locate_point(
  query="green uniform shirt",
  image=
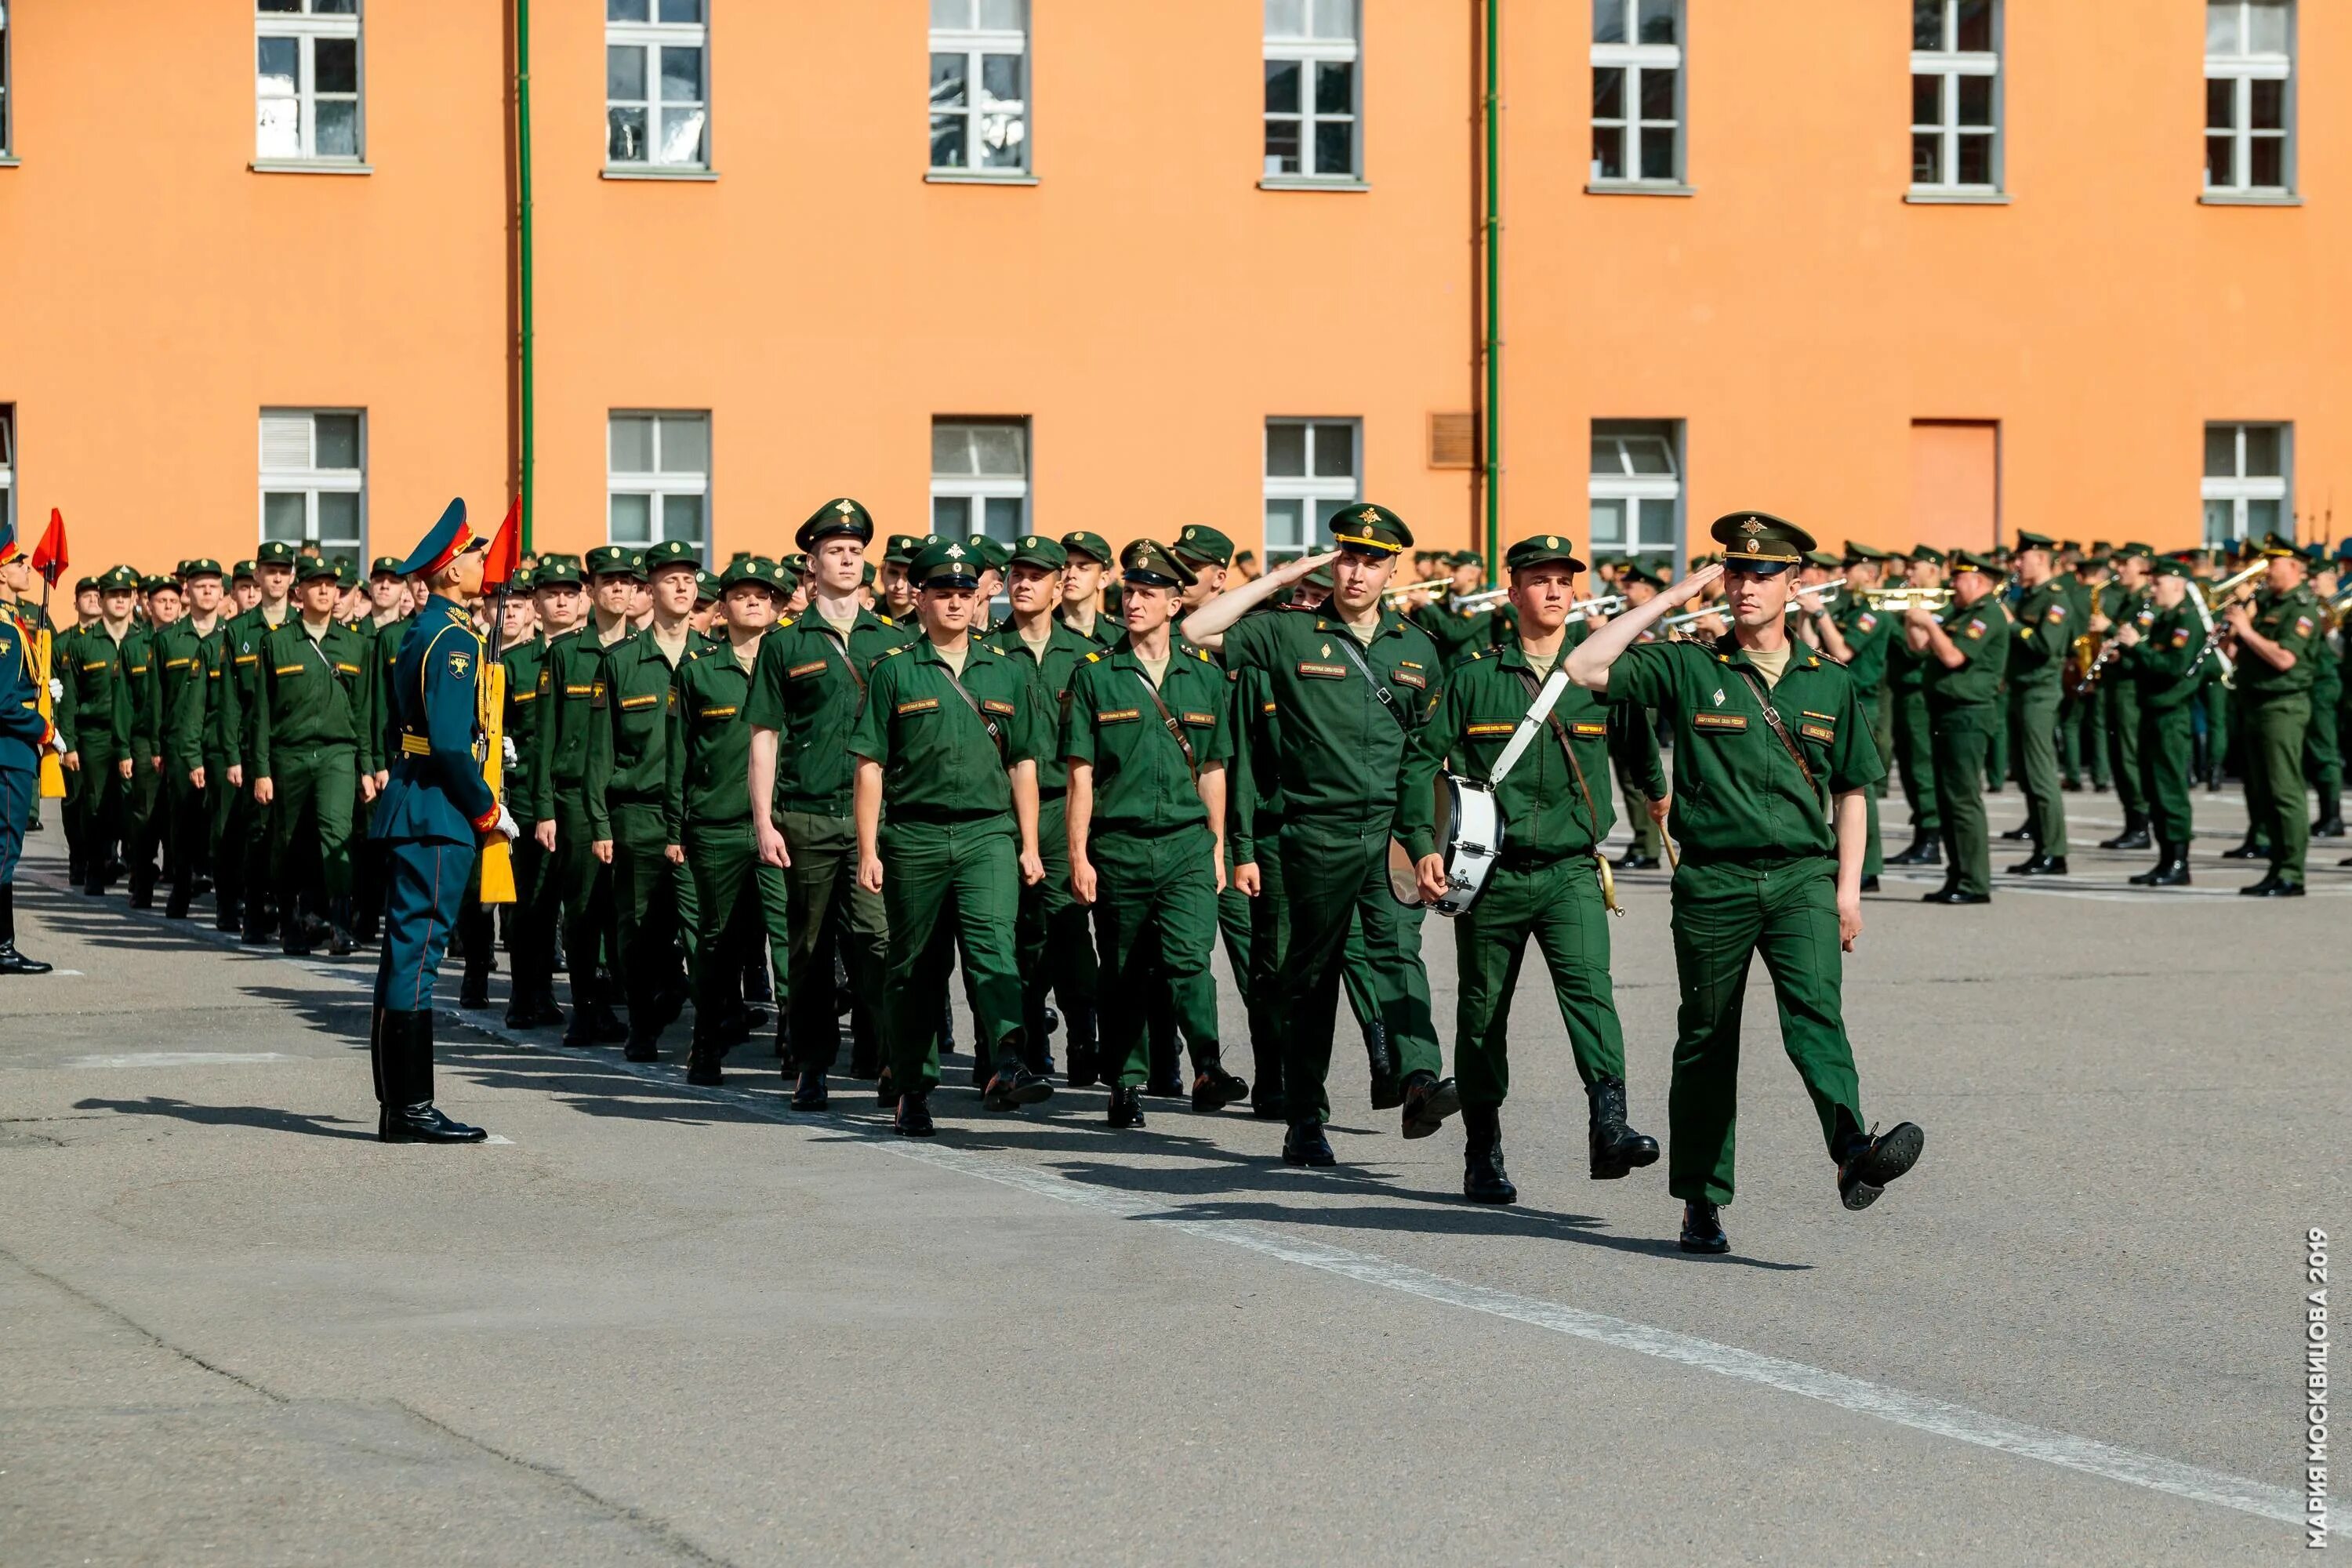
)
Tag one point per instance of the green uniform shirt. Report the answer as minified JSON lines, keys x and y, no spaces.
{"x":809,"y":686}
{"x":628,"y":732}
{"x":1738,"y":793}
{"x":709,"y":753}
{"x":938,"y":764}
{"x":1981,"y":634}
{"x":140,"y":667}
{"x":521,"y":722}
{"x":1065,"y":650}
{"x":1340,"y":747}
{"x":380,"y":727}
{"x":187,"y":660}
{"x":313,"y":693}
{"x":2165,"y":663}
{"x":571,"y":679}
{"x":2045,"y":628}
{"x":94,"y":715}
{"x":1142,"y":783}
{"x":1107,"y":632}
{"x":241,"y":687}
{"x":2296,"y":623}
{"x":1869,"y":638}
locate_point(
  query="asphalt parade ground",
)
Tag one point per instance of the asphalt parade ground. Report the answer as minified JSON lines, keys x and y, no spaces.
{"x":652,"y":1323}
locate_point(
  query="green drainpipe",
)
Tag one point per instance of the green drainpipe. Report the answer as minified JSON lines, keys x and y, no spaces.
{"x":522,"y":184}
{"x":1493,"y":432}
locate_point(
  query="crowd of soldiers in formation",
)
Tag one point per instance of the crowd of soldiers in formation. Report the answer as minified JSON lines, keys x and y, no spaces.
{"x":224,"y":732}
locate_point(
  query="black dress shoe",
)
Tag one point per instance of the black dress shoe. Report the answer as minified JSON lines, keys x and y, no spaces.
{"x":1304,"y":1144}
{"x":1870,"y":884}
{"x":886,"y":1093}
{"x":2252,"y":849}
{"x":1484,"y":1180}
{"x":1877,"y":1160}
{"x":1922,"y":852}
{"x":2129,"y":838}
{"x":1215,"y":1089}
{"x":1703,"y":1229}
{"x":421,"y":1123}
{"x":2329,"y":826}
{"x":15,"y":962}
{"x":2040,"y":865}
{"x":1428,"y":1101}
{"x":2019,"y":833}
{"x":1948,"y":895}
{"x":1081,"y":1063}
{"x":2169,"y":871}
{"x":1634,"y":862}
{"x":914,"y":1117}
{"x":808,"y":1091}
{"x":1015,"y":1086}
{"x":1615,"y":1147}
{"x":1126,"y":1108}
{"x":2071,"y":786}
{"x":2272,"y":886}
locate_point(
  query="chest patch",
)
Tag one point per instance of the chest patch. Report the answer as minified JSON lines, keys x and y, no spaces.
{"x":1313,"y":671}
{"x":1203,"y":719}
{"x":801,"y":671}
{"x":1490,"y":727}
{"x":1588,"y":728}
{"x":1817,"y":732}
{"x":991,"y":705}
{"x":718,"y":712}
{"x":1409,"y":678}
{"x":630,"y":704}
{"x":1720,"y":721}
{"x":918,"y":705}
{"x":1117,"y":715}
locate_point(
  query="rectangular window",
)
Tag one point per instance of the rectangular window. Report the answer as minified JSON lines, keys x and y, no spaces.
{"x":2245,"y":486}
{"x":658,"y":479}
{"x":1954,"y":96}
{"x":1637,"y":92}
{"x":1636,"y":491}
{"x":657,"y":84}
{"x":314,"y":479}
{"x":307,"y":79}
{"x":2249,"y":96}
{"x":5,"y":144}
{"x":1314,"y":90}
{"x":8,"y":473}
{"x":979,"y":478}
{"x":979,"y":86}
{"x":1311,"y":470}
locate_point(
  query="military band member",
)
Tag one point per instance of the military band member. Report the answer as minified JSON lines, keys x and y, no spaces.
{"x":1771,"y":754}
{"x":2125,"y":600}
{"x":1912,"y":728}
{"x":1146,"y":734}
{"x":1547,"y":884}
{"x":1089,"y":558}
{"x":2164,"y":662}
{"x":1638,"y":584}
{"x":2044,"y":625}
{"x":2323,"y":755}
{"x":560,"y":599}
{"x":1962,"y":655}
{"x":2276,"y":636}
{"x":946,"y":802}
{"x":2084,"y":739}
{"x":1351,"y":684}
{"x":1851,"y":630}
{"x":305,"y":758}
{"x":24,"y":736}
{"x":245,"y":833}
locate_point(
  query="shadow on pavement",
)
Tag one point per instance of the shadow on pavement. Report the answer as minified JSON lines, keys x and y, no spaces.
{"x":269,"y":1118}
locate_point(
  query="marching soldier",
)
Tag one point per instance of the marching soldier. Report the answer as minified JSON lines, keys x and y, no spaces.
{"x":897,"y":603}
{"x":560,"y":601}
{"x":1351,"y":684}
{"x":305,"y":758}
{"x":1145,"y":732}
{"x":1638,"y":584}
{"x":433,"y":815}
{"x":1548,"y":884}
{"x":2276,"y":636}
{"x":24,"y":736}
{"x":143,"y":824}
{"x":1088,"y":558}
{"x":2165,"y":663}
{"x":93,"y":714}
{"x":247,"y":834}
{"x":187,"y":655}
{"x":947,"y":745}
{"x":2045,"y":624}
{"x":1770,"y":820}
{"x":1962,"y":657}
{"x":1913,"y":731}
{"x":2125,"y":602}
{"x":1854,"y":634}
{"x":65,"y":662}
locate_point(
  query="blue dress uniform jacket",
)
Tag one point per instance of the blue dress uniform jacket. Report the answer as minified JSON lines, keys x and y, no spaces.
{"x":435,"y":791}
{"x":23,"y":731}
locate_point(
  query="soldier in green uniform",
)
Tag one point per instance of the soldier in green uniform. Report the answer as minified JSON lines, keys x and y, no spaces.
{"x":2044,"y":630}
{"x":1087,"y":559}
{"x":559,"y":602}
{"x":305,"y":758}
{"x":187,"y":656}
{"x":143,"y":821}
{"x":1547,"y":884}
{"x":94,"y":715}
{"x":65,"y":645}
{"x":947,"y":746}
{"x":1771,"y":754}
{"x":572,"y":707}
{"x":708,"y":813}
{"x":1962,"y":655}
{"x":246,"y":833}
{"x":2323,"y":755}
{"x":2124,"y":602}
{"x":1914,"y":732}
{"x":2165,"y":664}
{"x":2082,"y":750}
{"x":1638,"y":584}
{"x":1353,"y":684}
{"x":805,"y":699}
{"x":2277,"y":636}
{"x":1146,"y":734}
{"x":624,"y":787}
{"x":1850,"y":630}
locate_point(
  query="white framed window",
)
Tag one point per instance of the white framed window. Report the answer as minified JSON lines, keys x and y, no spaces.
{"x":657,"y":84}
{"x":1311,"y":476}
{"x":658,"y":479}
{"x":8,"y":472}
{"x":1314,"y":89}
{"x":1637,"y":92}
{"x":306,"y":83}
{"x":2249,"y":96}
{"x":979,"y":478}
{"x":6,"y":144}
{"x":979,"y":86}
{"x":314,"y":479}
{"x":1636,"y":491}
{"x":1954,"y":96}
{"x":2245,"y":486}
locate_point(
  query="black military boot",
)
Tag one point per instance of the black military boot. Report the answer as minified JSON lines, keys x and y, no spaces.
{"x":2252,"y":849}
{"x":1634,"y":860}
{"x":2331,"y":818}
{"x":2017,"y":834}
{"x":2172,"y":868}
{"x":1125,"y":1108}
{"x":1925,"y":849}
{"x":1165,"y":1077}
{"x":11,"y":961}
{"x":1616,"y":1148}
{"x":1012,"y":1085}
{"x":1387,"y":1093}
{"x":703,"y":1055}
{"x":2040,"y":865}
{"x":1267,"y":1102}
{"x":914,"y":1117}
{"x":1213,"y":1087}
{"x":2272,"y":885}
{"x":1872,"y":1162}
{"x":1304,"y":1144}
{"x":1083,"y":1059}
{"x":228,"y":915}
{"x":808,"y":1091}
{"x":1484,"y":1180}
{"x":1703,"y":1229}
{"x":406,"y":1071}
{"x":2135,"y":834}
{"x":1428,"y":1101}
{"x":594,"y":1023}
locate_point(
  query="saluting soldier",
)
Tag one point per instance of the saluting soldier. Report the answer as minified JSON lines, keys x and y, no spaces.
{"x":1963,"y":654}
{"x":24,"y":735}
{"x":1771,"y":754}
{"x":947,"y":747}
{"x":1547,"y":885}
{"x":2044,"y":625}
{"x":305,"y":758}
{"x":2122,"y":602}
{"x":806,"y":691}
{"x":2165,"y":663}
{"x":1351,"y":684}
{"x":1146,"y":734}
{"x":2276,"y":636}
{"x":560,"y":601}
{"x":186,"y":655}
{"x":93,"y":713}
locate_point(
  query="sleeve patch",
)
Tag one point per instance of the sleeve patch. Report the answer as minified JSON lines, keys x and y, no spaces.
{"x":1976,"y":629}
{"x":1868,"y":622}
{"x":2302,"y":626}
{"x":2181,"y":637}
{"x":461,"y":664}
{"x":2057,"y":614}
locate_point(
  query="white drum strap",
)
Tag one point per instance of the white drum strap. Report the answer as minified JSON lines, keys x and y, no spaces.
{"x":1547,"y":698}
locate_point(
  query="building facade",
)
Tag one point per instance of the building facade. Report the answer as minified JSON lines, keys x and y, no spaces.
{"x":1943,"y":270}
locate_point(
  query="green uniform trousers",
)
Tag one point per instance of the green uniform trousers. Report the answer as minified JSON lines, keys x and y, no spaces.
{"x":2122,"y":701}
{"x":654,"y":909}
{"x":2273,"y":759}
{"x":1558,"y":906}
{"x":2082,"y":743}
{"x":1331,"y":873}
{"x":1262,"y":983}
{"x":532,"y":919}
{"x":949,"y":889}
{"x":1997,"y":750}
{"x":311,"y":793}
{"x":2322,"y":756}
{"x":830,"y":910}
{"x":187,"y":829}
{"x":1962,"y":738}
{"x":1051,"y":942}
{"x":104,"y":801}
{"x":1724,"y":914}
{"x":143,"y":829}
{"x":226,"y":805}
{"x":2033,"y":740}
{"x":1155,"y":917}
{"x":1914,"y":749}
{"x":583,"y":885}
{"x":2167,"y":742}
{"x":724,"y":864}
{"x":2218,"y":722}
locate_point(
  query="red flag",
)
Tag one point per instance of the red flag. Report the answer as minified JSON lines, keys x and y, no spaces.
{"x":49,"y":555}
{"x":505,"y":554}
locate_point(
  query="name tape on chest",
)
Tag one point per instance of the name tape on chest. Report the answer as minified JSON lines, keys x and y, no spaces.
{"x":1409,"y":678}
{"x":1117,"y":715}
{"x":630,"y":704}
{"x":916,"y":705}
{"x":802,"y":671}
{"x":997,"y":706}
{"x":718,"y":712}
{"x":1732,"y":722}
{"x":1305,"y":666}
{"x":1588,"y":728}
{"x":1816,"y":732}
{"x":1487,"y":727}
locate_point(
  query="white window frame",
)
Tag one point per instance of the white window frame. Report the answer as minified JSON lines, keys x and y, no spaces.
{"x":2241,"y":487}
{"x":1319,"y":495}
{"x":1309,"y":52}
{"x":7,"y":89}
{"x":649,"y":38}
{"x":1949,"y":63}
{"x":1633,"y":59}
{"x":1633,"y":489}
{"x":8,"y":472}
{"x":312,"y":481}
{"x":306,"y":28}
{"x":2242,"y":69}
{"x":981,"y":489}
{"x":973,"y":43}
{"x":657,"y":483}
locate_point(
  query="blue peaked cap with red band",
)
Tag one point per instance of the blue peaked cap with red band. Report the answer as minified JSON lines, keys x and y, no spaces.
{"x":9,"y":549}
{"x":450,"y":539}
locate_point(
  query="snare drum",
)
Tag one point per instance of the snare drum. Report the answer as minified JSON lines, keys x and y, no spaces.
{"x":1470,"y":833}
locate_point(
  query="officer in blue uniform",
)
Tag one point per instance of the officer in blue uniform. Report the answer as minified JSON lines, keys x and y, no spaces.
{"x":435,"y":813}
{"x":23,"y":734}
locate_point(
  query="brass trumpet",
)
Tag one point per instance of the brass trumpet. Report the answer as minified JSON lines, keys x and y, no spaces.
{"x":1903,"y":596}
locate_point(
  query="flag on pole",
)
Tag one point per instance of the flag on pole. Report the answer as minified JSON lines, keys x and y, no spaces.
{"x":7,"y":538}
{"x":505,"y":554}
{"x":49,"y":557}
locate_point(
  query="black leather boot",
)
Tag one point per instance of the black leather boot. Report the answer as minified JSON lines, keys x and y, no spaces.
{"x":1484,"y":1180}
{"x":1012,"y":1085}
{"x":809,"y":1092}
{"x":914,"y":1117}
{"x":1125,"y":1108}
{"x":703,"y":1056}
{"x":2250,"y":849}
{"x":2272,"y":885}
{"x":1083,"y":1059}
{"x":1428,"y":1101}
{"x":408,"y":1116}
{"x":1873,"y":1161}
{"x":2040,"y":865}
{"x":11,"y":961}
{"x":1616,"y":1148}
{"x":1703,"y":1229}
{"x":1387,"y":1093}
{"x":1304,"y":1144}
{"x":2331,"y":818}
{"x":2017,"y":834}
{"x":594,"y":1023}
{"x":2170,"y":870}
{"x":1213,"y":1087}
{"x":2133,"y":835}
{"x":1925,"y":849}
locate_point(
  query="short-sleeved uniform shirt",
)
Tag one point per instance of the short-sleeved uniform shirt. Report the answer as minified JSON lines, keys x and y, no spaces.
{"x":939,"y":762}
{"x":2294,"y":621}
{"x":1868,"y":634}
{"x":1143,"y":784}
{"x":1981,"y":634}
{"x":2045,"y":629}
{"x":709,"y":750}
{"x":809,"y":686}
{"x":2165,"y":662}
{"x":1063,"y":651}
{"x":1738,"y":793}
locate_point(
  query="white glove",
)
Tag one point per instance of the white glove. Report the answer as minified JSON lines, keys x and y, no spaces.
{"x":58,"y":744}
{"x":508,"y":824}
{"x":56,"y":688}
{"x":514,"y":758}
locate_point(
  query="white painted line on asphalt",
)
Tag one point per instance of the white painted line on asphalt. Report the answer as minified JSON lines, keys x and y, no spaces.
{"x":495,"y":1137}
{"x":178,"y":1059}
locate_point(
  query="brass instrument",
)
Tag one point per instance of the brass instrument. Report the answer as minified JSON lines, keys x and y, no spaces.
{"x":2205,"y":599}
{"x":1903,"y":596}
{"x":1722,"y":608}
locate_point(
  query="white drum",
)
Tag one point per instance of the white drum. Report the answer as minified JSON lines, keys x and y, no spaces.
{"x":1470,"y":837}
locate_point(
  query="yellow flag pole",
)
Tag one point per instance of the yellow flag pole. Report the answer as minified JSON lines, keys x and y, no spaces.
{"x":53,"y":772}
{"x":498,"y":855}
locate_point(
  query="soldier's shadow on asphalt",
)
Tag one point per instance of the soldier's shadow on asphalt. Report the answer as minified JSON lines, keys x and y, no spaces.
{"x":267,"y":1118}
